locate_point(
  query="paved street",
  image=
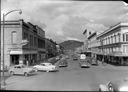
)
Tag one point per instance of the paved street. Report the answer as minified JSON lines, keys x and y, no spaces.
{"x":71,"y":78}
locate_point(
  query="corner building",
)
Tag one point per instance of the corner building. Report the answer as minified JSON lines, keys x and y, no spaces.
{"x":22,"y":41}
{"x":113,"y":44}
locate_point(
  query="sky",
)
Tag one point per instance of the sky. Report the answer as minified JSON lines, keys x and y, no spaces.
{"x":66,"y":19}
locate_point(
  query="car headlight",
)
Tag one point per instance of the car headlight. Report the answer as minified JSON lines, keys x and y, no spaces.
{"x":123,"y":89}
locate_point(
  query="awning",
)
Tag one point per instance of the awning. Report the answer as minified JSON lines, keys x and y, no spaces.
{"x":16,"y":52}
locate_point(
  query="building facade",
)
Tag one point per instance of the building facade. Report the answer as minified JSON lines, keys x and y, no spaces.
{"x":22,"y":42}
{"x":50,"y":48}
{"x":92,"y":44}
{"x":113,"y":43}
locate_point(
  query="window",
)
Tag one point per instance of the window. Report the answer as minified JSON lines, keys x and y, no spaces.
{"x":127,"y":37}
{"x":119,"y":37}
{"x":14,"y":37}
{"x":110,"y":39}
{"x":123,"y":37}
{"x":114,"y":38}
{"x":125,"y":48}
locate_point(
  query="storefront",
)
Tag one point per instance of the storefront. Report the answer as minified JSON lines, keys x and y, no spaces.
{"x":17,"y":56}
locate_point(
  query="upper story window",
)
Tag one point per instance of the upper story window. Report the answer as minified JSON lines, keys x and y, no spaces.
{"x":14,"y":37}
{"x":125,"y":37}
{"x":114,"y":38}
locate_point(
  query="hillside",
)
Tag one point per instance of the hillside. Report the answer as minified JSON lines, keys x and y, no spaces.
{"x":71,"y":44}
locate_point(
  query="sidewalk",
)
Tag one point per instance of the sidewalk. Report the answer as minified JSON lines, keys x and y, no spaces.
{"x":105,"y":65}
{"x":6,"y":76}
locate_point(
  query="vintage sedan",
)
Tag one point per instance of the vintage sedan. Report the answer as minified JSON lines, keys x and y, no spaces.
{"x":21,"y":70}
{"x":63,"y":63}
{"x":45,"y":67}
{"x":84,"y":64}
{"x":116,"y":85}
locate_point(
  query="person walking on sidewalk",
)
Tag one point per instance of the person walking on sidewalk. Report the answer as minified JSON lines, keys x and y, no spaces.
{"x":27,"y":63}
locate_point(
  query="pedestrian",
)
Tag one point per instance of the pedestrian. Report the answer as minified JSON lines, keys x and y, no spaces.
{"x":21,"y":62}
{"x":27,"y":63}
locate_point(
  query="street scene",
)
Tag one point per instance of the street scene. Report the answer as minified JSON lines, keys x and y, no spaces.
{"x":70,"y":78}
{"x":64,"y":45}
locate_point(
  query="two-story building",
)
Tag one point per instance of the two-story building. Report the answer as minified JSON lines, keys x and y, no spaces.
{"x":113,"y":43}
{"x":50,"y":48}
{"x":22,"y":41}
{"x":92,"y":44}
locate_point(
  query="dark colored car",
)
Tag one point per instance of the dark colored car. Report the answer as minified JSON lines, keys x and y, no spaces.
{"x":63,"y":63}
{"x":75,"y":58}
{"x":84,"y":64}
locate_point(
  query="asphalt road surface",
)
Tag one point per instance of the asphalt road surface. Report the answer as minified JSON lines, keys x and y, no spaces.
{"x":71,"y":78}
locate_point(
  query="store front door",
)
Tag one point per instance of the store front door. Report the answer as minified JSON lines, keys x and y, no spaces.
{"x":14,"y":59}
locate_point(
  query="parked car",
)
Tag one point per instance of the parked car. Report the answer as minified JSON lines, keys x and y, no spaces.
{"x":63,"y":63}
{"x":75,"y":57}
{"x":84,"y":64}
{"x":116,"y":85}
{"x":22,"y":70}
{"x":45,"y":67}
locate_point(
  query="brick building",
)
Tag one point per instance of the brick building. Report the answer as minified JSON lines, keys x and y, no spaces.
{"x":22,"y":41}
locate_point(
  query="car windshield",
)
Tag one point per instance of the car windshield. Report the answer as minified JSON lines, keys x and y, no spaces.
{"x":46,"y":64}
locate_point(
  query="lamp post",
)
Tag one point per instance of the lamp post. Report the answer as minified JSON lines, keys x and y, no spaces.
{"x":4,"y":15}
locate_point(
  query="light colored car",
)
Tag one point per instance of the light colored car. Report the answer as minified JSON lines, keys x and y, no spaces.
{"x":22,"y":70}
{"x":45,"y":67}
{"x":116,"y":85}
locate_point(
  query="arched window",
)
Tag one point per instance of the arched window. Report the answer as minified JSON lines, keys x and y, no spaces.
{"x":14,"y":37}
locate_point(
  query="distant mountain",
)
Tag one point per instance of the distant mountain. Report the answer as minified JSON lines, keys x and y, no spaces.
{"x":71,"y":44}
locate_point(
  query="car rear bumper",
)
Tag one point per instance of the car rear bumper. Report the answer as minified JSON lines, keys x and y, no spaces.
{"x":62,"y":65}
{"x":85,"y":66}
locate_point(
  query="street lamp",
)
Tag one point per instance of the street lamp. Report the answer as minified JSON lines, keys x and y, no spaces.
{"x":4,"y":15}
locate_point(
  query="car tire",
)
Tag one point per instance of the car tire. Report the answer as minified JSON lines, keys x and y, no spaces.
{"x":25,"y":74}
{"x":11,"y":73}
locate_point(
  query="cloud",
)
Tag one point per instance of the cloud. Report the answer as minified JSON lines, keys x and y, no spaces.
{"x":93,"y":27}
{"x":71,"y":38}
{"x":63,"y":19}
